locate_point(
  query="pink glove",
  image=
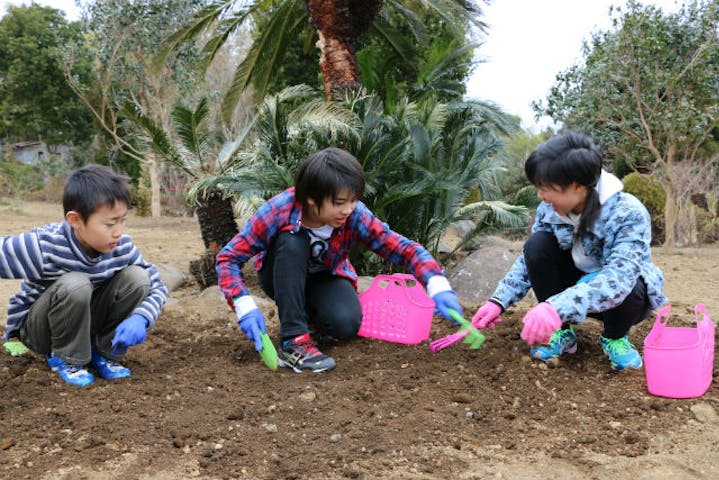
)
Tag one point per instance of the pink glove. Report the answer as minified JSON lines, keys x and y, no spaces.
{"x":539,"y":324}
{"x":487,"y":315}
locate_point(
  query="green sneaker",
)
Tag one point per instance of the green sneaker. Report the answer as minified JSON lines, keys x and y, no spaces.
{"x":621,"y":353}
{"x":562,"y":341}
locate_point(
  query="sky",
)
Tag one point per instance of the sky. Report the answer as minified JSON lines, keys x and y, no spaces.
{"x":528,"y":43}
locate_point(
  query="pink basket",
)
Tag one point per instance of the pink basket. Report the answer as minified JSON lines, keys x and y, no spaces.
{"x":395,"y":308}
{"x":679,"y":360}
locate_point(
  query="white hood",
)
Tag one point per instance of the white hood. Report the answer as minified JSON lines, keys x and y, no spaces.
{"x":607,"y":186}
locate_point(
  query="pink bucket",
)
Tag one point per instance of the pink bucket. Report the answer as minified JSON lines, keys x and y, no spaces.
{"x":678,"y":361}
{"x":396,"y":308}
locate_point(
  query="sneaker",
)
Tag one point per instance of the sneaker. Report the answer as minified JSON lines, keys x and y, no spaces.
{"x":72,"y":374}
{"x":109,"y":369}
{"x":621,"y":353}
{"x":562,"y":341}
{"x":301,"y":353}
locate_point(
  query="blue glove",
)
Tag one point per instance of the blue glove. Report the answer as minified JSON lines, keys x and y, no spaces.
{"x":131,"y":331}
{"x":443,"y":301}
{"x":253,"y":324}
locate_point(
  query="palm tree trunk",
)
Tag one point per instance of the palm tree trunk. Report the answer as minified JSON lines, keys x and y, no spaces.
{"x":338,"y":24}
{"x":217,"y":227}
{"x":217,"y":220}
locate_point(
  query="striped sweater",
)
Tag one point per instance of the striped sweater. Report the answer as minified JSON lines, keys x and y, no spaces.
{"x":46,"y":253}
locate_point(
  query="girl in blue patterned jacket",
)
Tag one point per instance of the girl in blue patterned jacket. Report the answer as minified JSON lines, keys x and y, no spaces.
{"x":87,"y":294}
{"x":588,"y":255}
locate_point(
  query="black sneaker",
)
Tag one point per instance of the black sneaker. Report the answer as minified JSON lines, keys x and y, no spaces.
{"x":301,"y":353}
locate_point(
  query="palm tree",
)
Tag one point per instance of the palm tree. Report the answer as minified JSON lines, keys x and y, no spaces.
{"x":201,"y":155}
{"x":338,"y":24}
{"x":421,"y":161}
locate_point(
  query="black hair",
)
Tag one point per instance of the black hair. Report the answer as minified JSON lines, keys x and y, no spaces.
{"x":93,"y":186}
{"x":324,"y":173}
{"x":564,"y":159}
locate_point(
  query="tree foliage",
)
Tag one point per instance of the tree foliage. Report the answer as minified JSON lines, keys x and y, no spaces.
{"x":35,"y":101}
{"x":648,"y":90}
{"x":287,"y":20}
{"x":421,"y":160}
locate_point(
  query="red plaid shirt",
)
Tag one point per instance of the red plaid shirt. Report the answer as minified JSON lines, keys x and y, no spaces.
{"x":283,"y":213}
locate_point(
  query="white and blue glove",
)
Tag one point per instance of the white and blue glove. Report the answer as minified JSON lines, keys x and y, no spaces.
{"x":445,"y":300}
{"x":252,"y":324}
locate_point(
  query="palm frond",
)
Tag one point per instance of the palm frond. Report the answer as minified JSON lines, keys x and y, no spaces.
{"x":499,"y":212}
{"x":188,"y":125}
{"x":156,"y":138}
{"x":265,"y":53}
{"x":199,"y":23}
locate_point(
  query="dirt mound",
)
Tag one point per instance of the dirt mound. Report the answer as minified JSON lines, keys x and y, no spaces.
{"x":200,"y":403}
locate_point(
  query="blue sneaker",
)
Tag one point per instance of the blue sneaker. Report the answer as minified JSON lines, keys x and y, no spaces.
{"x":621,"y":353}
{"x":562,"y":341}
{"x":108,"y":369}
{"x":72,"y":374}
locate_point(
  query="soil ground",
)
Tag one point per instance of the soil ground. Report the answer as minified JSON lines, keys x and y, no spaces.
{"x":200,"y":403}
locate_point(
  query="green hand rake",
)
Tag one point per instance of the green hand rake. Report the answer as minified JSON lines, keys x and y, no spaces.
{"x":467,"y":333}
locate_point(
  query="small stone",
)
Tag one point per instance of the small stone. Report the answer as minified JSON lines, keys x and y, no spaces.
{"x":308,"y":396}
{"x":705,"y":413}
{"x":336,"y":438}
{"x":271,"y":427}
{"x":6,"y":443}
{"x":462,"y":398}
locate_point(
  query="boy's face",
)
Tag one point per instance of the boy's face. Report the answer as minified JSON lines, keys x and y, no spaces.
{"x":102,"y":230}
{"x":332,"y":211}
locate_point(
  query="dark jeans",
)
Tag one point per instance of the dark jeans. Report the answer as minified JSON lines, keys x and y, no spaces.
{"x":330,"y":301}
{"x":552,"y":270}
{"x":71,"y":318}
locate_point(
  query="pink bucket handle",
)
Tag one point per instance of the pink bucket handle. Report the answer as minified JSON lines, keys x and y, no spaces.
{"x":663,"y":317}
{"x":705,"y":325}
{"x":656,"y":332}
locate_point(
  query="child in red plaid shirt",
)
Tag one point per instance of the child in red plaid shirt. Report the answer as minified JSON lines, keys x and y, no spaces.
{"x":302,"y":239}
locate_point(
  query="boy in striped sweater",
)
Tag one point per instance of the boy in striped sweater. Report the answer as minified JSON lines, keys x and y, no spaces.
{"x":87,"y":294}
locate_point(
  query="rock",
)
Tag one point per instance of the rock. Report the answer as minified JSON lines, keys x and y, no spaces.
{"x":270,"y":427}
{"x":336,"y":438}
{"x":476,"y":277}
{"x":213,"y":293}
{"x":171,"y":276}
{"x":6,"y":443}
{"x":705,"y":413}
{"x":308,"y":396}
{"x":363,"y":283}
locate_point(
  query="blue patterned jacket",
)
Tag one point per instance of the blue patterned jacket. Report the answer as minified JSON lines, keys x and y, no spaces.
{"x":619,"y":241}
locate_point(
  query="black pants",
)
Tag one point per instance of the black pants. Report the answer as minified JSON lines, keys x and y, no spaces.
{"x":330,"y":301}
{"x":552,"y":270}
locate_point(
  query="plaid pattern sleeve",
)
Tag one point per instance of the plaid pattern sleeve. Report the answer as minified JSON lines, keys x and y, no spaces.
{"x":271,"y":218}
{"x":393,"y":247}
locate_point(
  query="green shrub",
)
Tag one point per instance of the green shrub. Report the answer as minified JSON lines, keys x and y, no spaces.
{"x":650,"y":192}
{"x":18,"y":179}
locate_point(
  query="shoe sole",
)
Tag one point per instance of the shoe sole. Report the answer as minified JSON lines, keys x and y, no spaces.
{"x":572,"y":349}
{"x":282,"y":363}
{"x":628,"y":367}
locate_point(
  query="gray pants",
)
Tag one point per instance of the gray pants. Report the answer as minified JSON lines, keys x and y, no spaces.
{"x":71,"y":318}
